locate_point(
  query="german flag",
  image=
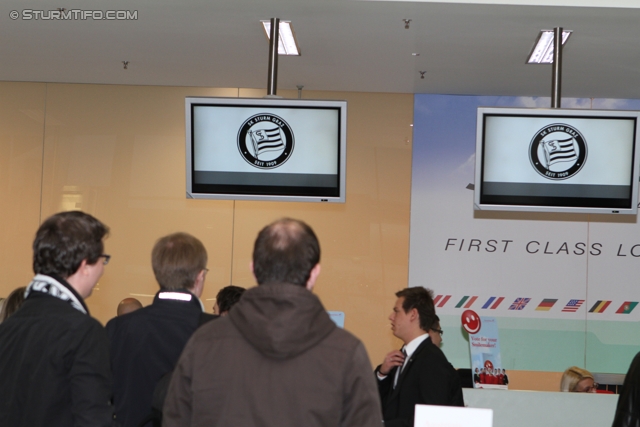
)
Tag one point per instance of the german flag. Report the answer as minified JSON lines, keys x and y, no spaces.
{"x":627,"y":307}
{"x":600,"y":306}
{"x":546,"y":304}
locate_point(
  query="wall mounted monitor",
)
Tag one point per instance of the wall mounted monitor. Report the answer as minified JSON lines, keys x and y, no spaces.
{"x":266,"y":149}
{"x":557,"y":160}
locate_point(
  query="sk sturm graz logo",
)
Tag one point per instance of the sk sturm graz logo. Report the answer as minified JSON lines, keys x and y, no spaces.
{"x":558,"y":151}
{"x":265,"y":141}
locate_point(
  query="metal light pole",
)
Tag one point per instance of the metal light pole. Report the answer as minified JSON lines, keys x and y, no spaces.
{"x":556,"y":77}
{"x":273,"y":57}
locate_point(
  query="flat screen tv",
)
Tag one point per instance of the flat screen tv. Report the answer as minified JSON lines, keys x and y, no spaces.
{"x":266,"y":149}
{"x":557,"y":160}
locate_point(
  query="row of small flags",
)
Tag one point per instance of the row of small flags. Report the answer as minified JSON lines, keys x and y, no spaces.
{"x":520,"y":303}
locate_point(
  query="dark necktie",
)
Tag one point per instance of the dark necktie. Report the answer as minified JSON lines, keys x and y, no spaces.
{"x":400,"y":368}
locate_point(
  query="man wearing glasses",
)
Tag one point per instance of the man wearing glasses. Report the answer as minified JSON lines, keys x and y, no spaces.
{"x":420,"y":372}
{"x":435,"y":333}
{"x":146,"y":344}
{"x":55,"y":364}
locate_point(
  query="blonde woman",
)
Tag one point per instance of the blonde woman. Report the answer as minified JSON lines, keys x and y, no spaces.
{"x":578,"y":380}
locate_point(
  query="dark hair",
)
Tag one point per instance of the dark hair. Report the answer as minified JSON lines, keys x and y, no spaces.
{"x":227,"y":297}
{"x":177,"y":259}
{"x":285,"y":251}
{"x":436,"y":320}
{"x":422,"y":300}
{"x":64,"y":240}
{"x":13,"y":303}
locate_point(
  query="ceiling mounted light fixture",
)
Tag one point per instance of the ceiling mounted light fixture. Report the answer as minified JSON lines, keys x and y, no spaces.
{"x":287,"y":43}
{"x":542,"y":52}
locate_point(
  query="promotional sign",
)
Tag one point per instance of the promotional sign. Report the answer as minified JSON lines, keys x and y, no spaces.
{"x":486,"y":363}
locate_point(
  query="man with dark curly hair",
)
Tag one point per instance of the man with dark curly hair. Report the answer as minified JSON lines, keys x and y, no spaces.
{"x":55,"y":357}
{"x":227,"y":297}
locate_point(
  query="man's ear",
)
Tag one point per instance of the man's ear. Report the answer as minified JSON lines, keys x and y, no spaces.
{"x":83,"y":267}
{"x":313,"y":276}
{"x":251,"y":269}
{"x":79,"y":280}
{"x":198,"y":285}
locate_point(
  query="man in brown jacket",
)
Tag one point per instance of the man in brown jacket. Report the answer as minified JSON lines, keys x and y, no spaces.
{"x":277,"y":359}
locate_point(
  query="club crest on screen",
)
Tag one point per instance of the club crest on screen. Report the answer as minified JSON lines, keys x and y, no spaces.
{"x":558,"y":151}
{"x":265,"y":141}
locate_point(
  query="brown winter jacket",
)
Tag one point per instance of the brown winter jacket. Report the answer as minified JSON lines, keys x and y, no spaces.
{"x":278,"y":360}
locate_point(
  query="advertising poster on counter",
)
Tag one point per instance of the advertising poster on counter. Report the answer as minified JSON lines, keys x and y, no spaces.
{"x":484,"y":345}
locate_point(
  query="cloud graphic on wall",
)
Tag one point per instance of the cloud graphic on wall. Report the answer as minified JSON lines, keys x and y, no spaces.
{"x":616,"y":104}
{"x":468,"y":167}
{"x":531,"y":102}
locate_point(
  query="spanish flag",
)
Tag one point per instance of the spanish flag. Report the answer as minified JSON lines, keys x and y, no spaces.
{"x":600,"y":306}
{"x":627,"y":307}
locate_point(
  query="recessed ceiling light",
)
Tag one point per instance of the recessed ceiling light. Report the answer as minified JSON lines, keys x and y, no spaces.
{"x":287,"y":43}
{"x":542,"y":52}
{"x":415,"y":54}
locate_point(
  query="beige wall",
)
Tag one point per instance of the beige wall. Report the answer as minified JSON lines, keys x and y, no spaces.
{"x":117,"y":152}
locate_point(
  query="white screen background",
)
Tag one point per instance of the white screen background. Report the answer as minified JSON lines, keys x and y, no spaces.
{"x":609,"y":150}
{"x":315,"y":133}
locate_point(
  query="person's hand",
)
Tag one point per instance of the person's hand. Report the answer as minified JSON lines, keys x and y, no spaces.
{"x":391,"y":360}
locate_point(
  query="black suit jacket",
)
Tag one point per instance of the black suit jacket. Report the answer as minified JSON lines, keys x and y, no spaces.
{"x":428,"y":378}
{"x":145,"y":345}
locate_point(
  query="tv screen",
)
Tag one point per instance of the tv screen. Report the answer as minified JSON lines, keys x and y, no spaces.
{"x":266,"y":149}
{"x":557,"y":160}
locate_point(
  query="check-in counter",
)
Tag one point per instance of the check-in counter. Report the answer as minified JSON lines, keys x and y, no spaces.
{"x":515,"y":408}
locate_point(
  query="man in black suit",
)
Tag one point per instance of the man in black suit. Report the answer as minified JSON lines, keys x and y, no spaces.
{"x":146,"y":344}
{"x":420,"y":373}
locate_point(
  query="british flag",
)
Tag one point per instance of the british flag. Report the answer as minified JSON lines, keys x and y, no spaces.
{"x":573,"y":305}
{"x":519,"y":303}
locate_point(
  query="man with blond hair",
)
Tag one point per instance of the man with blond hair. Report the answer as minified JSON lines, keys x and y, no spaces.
{"x":146,"y":343}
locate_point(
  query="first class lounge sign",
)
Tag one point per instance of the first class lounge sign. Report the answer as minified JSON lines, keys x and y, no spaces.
{"x":543,"y":247}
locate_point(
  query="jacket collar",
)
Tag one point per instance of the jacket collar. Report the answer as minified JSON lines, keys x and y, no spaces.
{"x":178,"y":296}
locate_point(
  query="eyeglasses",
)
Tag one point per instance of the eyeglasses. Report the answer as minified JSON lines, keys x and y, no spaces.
{"x":106,"y":257}
{"x":439,"y":331}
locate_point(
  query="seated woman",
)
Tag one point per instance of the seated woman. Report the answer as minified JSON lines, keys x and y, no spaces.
{"x":578,"y":380}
